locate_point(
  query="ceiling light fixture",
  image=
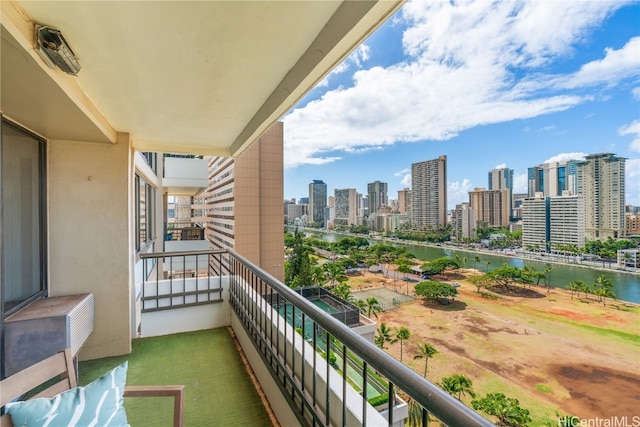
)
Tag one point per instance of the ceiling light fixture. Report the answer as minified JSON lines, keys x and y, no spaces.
{"x":55,"y":51}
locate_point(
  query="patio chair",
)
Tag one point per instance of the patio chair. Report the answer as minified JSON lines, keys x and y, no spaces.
{"x":61,"y":369}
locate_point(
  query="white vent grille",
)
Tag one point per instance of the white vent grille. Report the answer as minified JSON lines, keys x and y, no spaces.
{"x":46,"y":327}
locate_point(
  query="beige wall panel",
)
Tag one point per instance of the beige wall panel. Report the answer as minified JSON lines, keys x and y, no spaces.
{"x":89,"y":236}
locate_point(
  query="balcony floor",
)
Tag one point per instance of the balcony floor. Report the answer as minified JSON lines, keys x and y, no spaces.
{"x":218,"y":392}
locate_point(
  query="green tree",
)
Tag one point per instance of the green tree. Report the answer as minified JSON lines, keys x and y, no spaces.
{"x":476,"y":260}
{"x":427,"y":351}
{"x":402,"y":335}
{"x":576,"y":286}
{"x":438,"y":266}
{"x":373,"y":307}
{"x":342,"y":290}
{"x":458,"y":385}
{"x":361,"y":304}
{"x":433,"y":290}
{"x":318,"y":275}
{"x":298,"y":267}
{"x":383,"y":336}
{"x":415,"y":414}
{"x":481,"y":281}
{"x":603,"y":288}
{"x":335,"y":273}
{"x":505,"y":275}
{"x":506,"y":409}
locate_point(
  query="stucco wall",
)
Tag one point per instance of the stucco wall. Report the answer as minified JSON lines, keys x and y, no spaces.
{"x":89,"y":242}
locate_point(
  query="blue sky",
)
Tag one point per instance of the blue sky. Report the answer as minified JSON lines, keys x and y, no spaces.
{"x":489,"y":84}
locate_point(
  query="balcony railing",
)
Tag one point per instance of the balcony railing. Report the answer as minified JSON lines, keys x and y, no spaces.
{"x":328,"y":374}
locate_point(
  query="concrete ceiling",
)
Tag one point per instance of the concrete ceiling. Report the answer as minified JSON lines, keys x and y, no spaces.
{"x":201,"y":77}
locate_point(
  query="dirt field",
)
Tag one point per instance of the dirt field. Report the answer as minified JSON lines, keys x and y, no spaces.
{"x":550,"y":351}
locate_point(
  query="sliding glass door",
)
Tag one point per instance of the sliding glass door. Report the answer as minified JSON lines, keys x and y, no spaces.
{"x":22,"y":217}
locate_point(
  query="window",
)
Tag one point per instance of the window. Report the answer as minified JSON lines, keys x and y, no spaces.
{"x":23,"y":257}
{"x":145,"y":209}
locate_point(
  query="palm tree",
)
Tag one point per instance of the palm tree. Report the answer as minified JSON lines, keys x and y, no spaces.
{"x":488,"y":264}
{"x":342,"y":290}
{"x":458,"y":385}
{"x":427,"y":351}
{"x":383,"y":336}
{"x":373,"y":307}
{"x":476,"y":260}
{"x":604,"y":288}
{"x":415,"y":413}
{"x":318,"y":275}
{"x":335,"y":273}
{"x":547,"y":277}
{"x":577,"y":286}
{"x":402,"y":335}
{"x":361,"y":304}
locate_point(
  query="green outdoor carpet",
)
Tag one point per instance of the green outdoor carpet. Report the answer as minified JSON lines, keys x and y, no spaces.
{"x":218,"y":389}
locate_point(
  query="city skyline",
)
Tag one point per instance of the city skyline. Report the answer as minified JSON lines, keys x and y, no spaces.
{"x":512,"y":85}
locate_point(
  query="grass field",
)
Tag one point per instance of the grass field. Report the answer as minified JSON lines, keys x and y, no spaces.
{"x":551,"y":351}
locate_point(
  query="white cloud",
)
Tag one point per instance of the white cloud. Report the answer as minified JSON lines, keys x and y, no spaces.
{"x":357,"y":58}
{"x":406,"y":181}
{"x":501,"y":166}
{"x":563,"y":157}
{"x":458,"y":192}
{"x":520,"y":183}
{"x":615,"y":66}
{"x":636,"y":93}
{"x":632,"y":129}
{"x":402,"y":172}
{"x":462,"y":69}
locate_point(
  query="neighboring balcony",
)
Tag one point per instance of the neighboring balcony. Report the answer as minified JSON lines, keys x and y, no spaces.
{"x":184,"y":176}
{"x":313,"y":369}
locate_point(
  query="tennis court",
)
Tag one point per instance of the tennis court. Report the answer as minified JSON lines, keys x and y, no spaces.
{"x":387,"y":298}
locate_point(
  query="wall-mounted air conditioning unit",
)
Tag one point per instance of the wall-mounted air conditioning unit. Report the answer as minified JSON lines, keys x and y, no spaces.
{"x":46,"y":327}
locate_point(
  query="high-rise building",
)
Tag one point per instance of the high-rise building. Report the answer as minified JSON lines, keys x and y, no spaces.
{"x":601,"y":182}
{"x":317,"y":202}
{"x":404,"y":201}
{"x":244,"y":210}
{"x":346,"y":206}
{"x":463,"y":221}
{"x":551,"y":221}
{"x":429,"y":193}
{"x":492,"y":207}
{"x":377,"y":194}
{"x":502,"y":178}
{"x":552,"y":179}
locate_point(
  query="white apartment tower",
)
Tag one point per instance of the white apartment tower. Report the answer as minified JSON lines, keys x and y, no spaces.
{"x":429,"y":193}
{"x":535,"y":232}
{"x":551,"y":221}
{"x":463,"y":221}
{"x":601,"y":182}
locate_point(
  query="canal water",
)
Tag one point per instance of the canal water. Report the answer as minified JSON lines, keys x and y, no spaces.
{"x":625,"y":285}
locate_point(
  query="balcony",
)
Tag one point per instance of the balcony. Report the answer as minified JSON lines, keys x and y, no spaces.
{"x":185,"y":176}
{"x":219,"y":289}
